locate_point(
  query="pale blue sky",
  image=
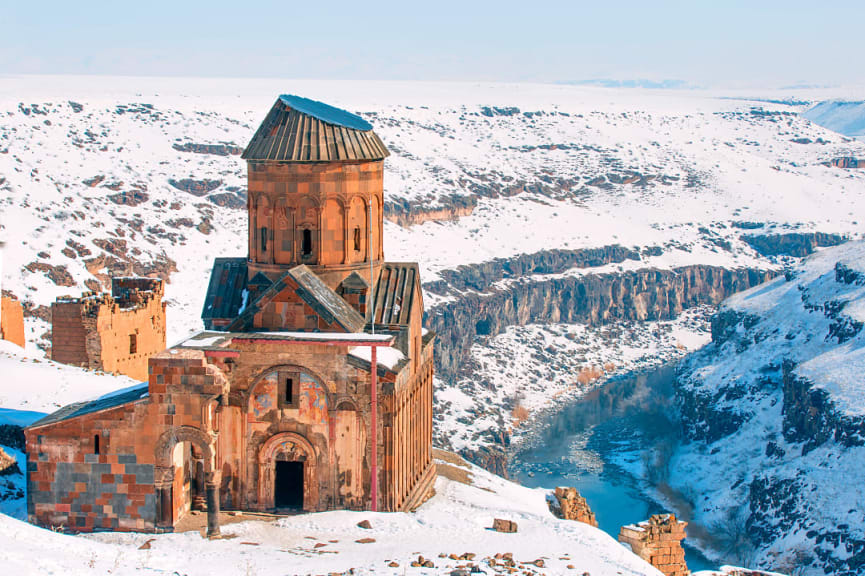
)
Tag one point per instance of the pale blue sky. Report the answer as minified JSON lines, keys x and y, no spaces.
{"x":717,"y":43}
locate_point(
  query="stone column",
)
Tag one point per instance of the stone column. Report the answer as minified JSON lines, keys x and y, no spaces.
{"x":212,"y":489}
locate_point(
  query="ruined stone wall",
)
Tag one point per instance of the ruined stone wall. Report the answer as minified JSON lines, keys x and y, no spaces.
{"x":658,"y":542}
{"x":407,"y":409}
{"x":568,"y":504}
{"x":116,"y":333}
{"x":11,"y":321}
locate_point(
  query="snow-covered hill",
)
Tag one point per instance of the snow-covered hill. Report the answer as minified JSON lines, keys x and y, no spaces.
{"x":842,"y":116}
{"x":101,"y":176}
{"x":774,"y":417}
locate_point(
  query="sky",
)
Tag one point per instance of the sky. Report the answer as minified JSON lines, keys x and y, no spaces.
{"x":716,"y":43}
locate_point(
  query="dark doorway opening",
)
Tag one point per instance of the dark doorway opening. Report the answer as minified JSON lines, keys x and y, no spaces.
{"x":289,"y":485}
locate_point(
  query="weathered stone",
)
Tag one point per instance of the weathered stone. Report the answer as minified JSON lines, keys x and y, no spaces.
{"x":569,"y":505}
{"x":508,"y":526}
{"x":658,"y":542}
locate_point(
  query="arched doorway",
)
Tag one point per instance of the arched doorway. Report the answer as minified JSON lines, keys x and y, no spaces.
{"x":287,"y":474}
{"x":184,"y":472}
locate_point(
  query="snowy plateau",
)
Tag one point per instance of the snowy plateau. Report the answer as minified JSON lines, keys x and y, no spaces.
{"x":564,"y":233}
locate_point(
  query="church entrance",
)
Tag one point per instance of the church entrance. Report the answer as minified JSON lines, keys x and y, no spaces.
{"x":288,"y":487}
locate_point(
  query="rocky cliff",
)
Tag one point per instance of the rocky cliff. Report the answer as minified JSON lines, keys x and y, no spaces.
{"x":773,"y":417}
{"x":550,"y":296}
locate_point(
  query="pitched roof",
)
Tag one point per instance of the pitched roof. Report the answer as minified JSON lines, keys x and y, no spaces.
{"x":302,"y":130}
{"x":326,"y":303}
{"x":113,"y":400}
{"x":225,"y":293}
{"x":395,"y":292}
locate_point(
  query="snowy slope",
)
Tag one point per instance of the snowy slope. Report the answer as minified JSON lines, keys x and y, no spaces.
{"x":31,"y":386}
{"x":774,"y":414}
{"x":844,"y":117}
{"x":86,"y":166}
{"x":455,"y":521}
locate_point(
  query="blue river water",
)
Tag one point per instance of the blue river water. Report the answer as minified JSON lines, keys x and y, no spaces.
{"x":595,"y":443}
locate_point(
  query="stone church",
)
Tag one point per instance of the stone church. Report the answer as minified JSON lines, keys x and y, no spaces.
{"x":309,"y":390}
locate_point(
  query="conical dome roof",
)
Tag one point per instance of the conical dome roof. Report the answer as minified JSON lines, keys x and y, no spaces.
{"x":302,"y":130}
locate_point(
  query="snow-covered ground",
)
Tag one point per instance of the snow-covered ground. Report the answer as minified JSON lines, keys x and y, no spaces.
{"x":455,"y":521}
{"x":32,"y":386}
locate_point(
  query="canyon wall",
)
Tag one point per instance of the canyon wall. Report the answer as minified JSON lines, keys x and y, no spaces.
{"x":646,"y":294}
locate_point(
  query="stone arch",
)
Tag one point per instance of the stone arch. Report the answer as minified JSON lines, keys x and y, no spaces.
{"x":377,"y":229}
{"x":292,"y":447}
{"x":346,"y":404}
{"x":169,"y":438}
{"x":264,"y":229}
{"x":164,"y":475}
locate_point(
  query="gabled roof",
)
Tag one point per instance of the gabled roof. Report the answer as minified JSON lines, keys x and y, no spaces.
{"x":395,"y":292}
{"x":225,"y":293}
{"x":326,"y":303}
{"x":114,"y":400}
{"x":302,"y":130}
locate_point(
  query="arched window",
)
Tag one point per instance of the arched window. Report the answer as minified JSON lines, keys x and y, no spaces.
{"x":357,"y":238}
{"x":306,"y":245}
{"x":264,"y":239}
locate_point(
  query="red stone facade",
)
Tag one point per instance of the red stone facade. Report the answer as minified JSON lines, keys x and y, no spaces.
{"x":11,"y":321}
{"x":115,"y":332}
{"x":316,"y":214}
{"x":279,"y":406}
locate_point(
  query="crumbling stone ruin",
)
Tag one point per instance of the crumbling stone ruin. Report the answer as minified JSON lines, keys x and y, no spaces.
{"x":568,"y":504}
{"x":658,"y":542}
{"x":11,"y":320}
{"x":116,"y":332}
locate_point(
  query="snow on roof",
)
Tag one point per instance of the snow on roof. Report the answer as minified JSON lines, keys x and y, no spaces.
{"x":325,"y":112}
{"x":323,"y":336}
{"x":387,"y":357}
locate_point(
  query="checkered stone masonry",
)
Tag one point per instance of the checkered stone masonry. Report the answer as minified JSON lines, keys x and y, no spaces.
{"x":102,"y":492}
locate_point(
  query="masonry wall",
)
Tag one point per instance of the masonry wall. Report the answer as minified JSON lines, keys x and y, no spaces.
{"x":72,"y":487}
{"x":128,"y":484}
{"x":116,"y":335}
{"x":408,"y":469}
{"x":331,"y":201}
{"x":287,"y":311}
{"x":11,"y":321}
{"x":658,"y":542}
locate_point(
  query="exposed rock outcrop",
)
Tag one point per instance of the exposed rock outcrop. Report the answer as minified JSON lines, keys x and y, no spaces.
{"x":215,"y":149}
{"x":412,"y":213}
{"x":647,"y":294}
{"x":195,"y":187}
{"x":796,"y":244}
